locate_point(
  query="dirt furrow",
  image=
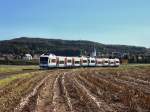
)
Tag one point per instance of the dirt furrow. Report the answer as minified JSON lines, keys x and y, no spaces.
{"x":67,"y":94}
{"x":134,"y":78}
{"x":77,"y":97}
{"x":109,"y":98}
{"x":137,"y":74}
{"x":101,"y":104}
{"x":28,"y":103}
{"x":59,"y":100}
{"x":44,"y":99}
{"x":138,"y":81}
{"x":122,"y":81}
{"x":130,"y":95}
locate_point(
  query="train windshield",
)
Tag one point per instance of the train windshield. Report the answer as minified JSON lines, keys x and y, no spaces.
{"x":43,"y":59}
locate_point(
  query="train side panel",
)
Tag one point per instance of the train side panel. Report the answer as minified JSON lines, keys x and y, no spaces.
{"x":117,"y":62}
{"x":105,"y":62}
{"x":99,"y":62}
{"x":69,"y":62}
{"x":61,"y":62}
{"x":92,"y":62}
{"x":76,"y":61}
{"x":84,"y":61}
{"x":111,"y":62}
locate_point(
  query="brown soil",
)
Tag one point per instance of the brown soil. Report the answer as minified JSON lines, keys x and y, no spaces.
{"x":89,"y":90}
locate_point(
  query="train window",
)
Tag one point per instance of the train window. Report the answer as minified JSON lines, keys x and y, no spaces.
{"x":77,"y":62}
{"x":84,"y":61}
{"x":68,"y":61}
{"x":61,"y":62}
{"x":92,"y":61}
{"x":99,"y":62}
{"x":53,"y":60}
{"x":106,"y":61}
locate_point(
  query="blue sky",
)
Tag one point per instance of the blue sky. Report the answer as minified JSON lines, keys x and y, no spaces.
{"x":105,"y":21}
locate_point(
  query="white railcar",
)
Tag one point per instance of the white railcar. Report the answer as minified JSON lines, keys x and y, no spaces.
{"x":99,"y":62}
{"x":117,"y":62}
{"x":84,"y":61}
{"x":105,"y":62}
{"x":111,"y":62}
{"x":61,"y":61}
{"x":51,"y":61}
{"x":48,"y":61}
{"x":92,"y":61}
{"x":76,"y":61}
{"x":69,"y":62}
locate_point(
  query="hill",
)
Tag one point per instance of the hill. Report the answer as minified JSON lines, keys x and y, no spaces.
{"x":62,"y":47}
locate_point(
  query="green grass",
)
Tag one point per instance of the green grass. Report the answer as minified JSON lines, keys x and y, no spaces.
{"x":6,"y":81}
{"x":132,"y":66}
{"x":14,"y":68}
{"x":135,"y":65}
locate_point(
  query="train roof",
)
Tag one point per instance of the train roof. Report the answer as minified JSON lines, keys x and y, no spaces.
{"x":111,"y":60}
{"x":48,"y":55}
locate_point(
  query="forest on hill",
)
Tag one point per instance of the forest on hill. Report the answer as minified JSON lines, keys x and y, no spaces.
{"x":24,"y":45}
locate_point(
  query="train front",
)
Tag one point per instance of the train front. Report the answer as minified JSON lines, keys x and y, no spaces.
{"x":47,"y":61}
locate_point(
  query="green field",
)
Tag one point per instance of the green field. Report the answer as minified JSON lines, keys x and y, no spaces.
{"x":14,"y":68}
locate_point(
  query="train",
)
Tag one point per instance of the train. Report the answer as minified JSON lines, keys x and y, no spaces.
{"x":53,"y":61}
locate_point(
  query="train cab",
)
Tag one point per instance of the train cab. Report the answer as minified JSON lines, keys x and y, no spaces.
{"x":48,"y":61}
{"x":92,"y":61}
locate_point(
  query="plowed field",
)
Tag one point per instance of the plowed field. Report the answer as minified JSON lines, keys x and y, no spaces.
{"x":123,"y":89}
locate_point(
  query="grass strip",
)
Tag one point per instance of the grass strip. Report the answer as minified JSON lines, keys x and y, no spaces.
{"x":6,"y":81}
